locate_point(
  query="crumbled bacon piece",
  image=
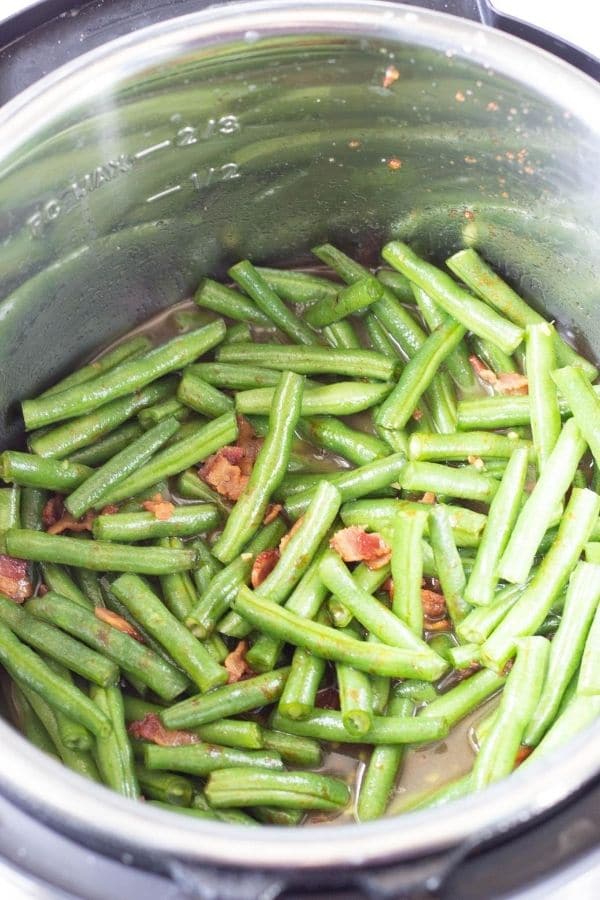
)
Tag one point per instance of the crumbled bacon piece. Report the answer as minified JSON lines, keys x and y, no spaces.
{"x":67,"y":522}
{"x":434,"y":604}
{"x":264,"y":564}
{"x":290,"y":534}
{"x":159,"y":507}
{"x":504,"y":382}
{"x":438,"y":625}
{"x":273,"y":510}
{"x":150,"y":728}
{"x":248,"y":440}
{"x":109,"y":510}
{"x":116,"y":621}
{"x":428,"y":497}
{"x":228,"y":470}
{"x":354,"y":544}
{"x":14,"y":580}
{"x":522,"y":754}
{"x":235,"y":663}
{"x":328,"y":698}
{"x":53,"y":510}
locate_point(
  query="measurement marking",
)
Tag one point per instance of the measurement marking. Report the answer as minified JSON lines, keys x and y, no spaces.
{"x":148,"y":150}
{"x":171,"y":190}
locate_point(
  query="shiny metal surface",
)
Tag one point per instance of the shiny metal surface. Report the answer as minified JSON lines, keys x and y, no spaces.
{"x":258,"y":130}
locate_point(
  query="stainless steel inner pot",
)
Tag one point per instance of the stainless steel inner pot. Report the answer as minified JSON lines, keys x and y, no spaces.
{"x":258,"y":129}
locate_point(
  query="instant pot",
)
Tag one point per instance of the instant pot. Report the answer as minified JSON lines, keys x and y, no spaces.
{"x":160,"y":149}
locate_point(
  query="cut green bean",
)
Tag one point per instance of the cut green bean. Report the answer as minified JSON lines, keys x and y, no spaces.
{"x":578,"y":715}
{"x":129,"y":654}
{"x":479,"y":623}
{"x":58,"y":579}
{"x":379,"y":338}
{"x":165,"y":787}
{"x":494,"y":358}
{"x":29,"y":722}
{"x":104,"y":448}
{"x":296,"y":790}
{"x":202,"y":759}
{"x":351,"y":299}
{"x":496,"y":758}
{"x":299,"y":693}
{"x":299,"y":287}
{"x":535,"y":602}
{"x":327,"y":725}
{"x":407,"y":567}
{"x":229,"y":700}
{"x":34,"y":471}
{"x":382,"y":769}
{"x":268,"y":302}
{"x":344,"y":398}
{"x":226,"y":302}
{"x":423,"y":446}
{"x":379,"y":515}
{"x":459,"y":701}
{"x":465,"y":484}
{"x":178,"y":589}
{"x":341,"y":336}
{"x":502,"y":515}
{"x":589,"y":675}
{"x":267,"y":472}
{"x":170,"y":408}
{"x":114,"y":753}
{"x":235,"y":377}
{"x":133,"y":347}
{"x":10,"y":511}
{"x":543,"y":402}
{"x":184,"y":521}
{"x":73,"y":734}
{"x":293,"y":750}
{"x":201,"y":396}
{"x":332,"y":434}
{"x":583,"y":402}
{"x":471,"y":269}
{"x":457,"y":362}
{"x":309,"y":360}
{"x":535,"y":517}
{"x":583,"y":596}
{"x":356,"y":697}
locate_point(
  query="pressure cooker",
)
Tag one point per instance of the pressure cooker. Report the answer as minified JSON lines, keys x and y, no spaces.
{"x":156,"y":150}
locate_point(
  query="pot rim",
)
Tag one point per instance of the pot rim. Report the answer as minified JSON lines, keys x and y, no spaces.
{"x":92,"y":813}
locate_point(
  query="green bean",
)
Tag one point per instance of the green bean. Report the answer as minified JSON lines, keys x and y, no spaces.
{"x":583,"y":596}
{"x":496,"y":758}
{"x":592,"y":552}
{"x":338,"y":437}
{"x":252,"y":282}
{"x":34,"y":471}
{"x":407,"y":567}
{"x":377,"y":515}
{"x":165,"y":787}
{"x":533,"y":605}
{"x":57,"y":645}
{"x":33,"y":501}
{"x":535,"y":516}
{"x":375,"y":617}
{"x":187,"y":319}
{"x":479,"y":623}
{"x":355,"y":483}
{"x":493,"y":412}
{"x":502,"y":515}
{"x":494,"y":358}
{"x":10,"y":511}
{"x":382,"y":769}
{"x":356,"y":696}
{"x":128,"y":376}
{"x":184,"y":521}
{"x":190,"y":486}
{"x":190,"y":450}
{"x":296,"y":790}
{"x":327,"y":725}
{"x":217,"y":597}
{"x":178,"y":590}
{"x":293,"y":750}
{"x":463,"y":656}
{"x":114,"y":753}
{"x":299,"y":693}
{"x":471,"y":269}
{"x":457,"y":362}
{"x":202,"y":396}
{"x":398,"y":283}
{"x":122,"y":649}
{"x":80,"y":761}
{"x":583,"y":402}
{"x":543,"y":402}
{"x":294,"y":560}
{"x":580,"y":713}
{"x":81,"y":432}
{"x":238,"y":334}
{"x":267,"y":472}
{"x":106,"y":447}
{"x":474,"y":315}
{"x":589,"y":675}
{"x":73,"y":734}
{"x":206,"y":566}
{"x":344,"y":398}
{"x":30,"y":670}
{"x":229,"y":700}
{"x":351,"y":299}
{"x":466,"y":483}
{"x":299,"y":287}
{"x":309,"y":360}
{"x":364,"y":579}
{"x":96,"y":555}
{"x":459,"y":701}
{"x":379,"y":338}
{"x":271,"y":815}
{"x":418,"y":691}
{"x":423,"y":446}
{"x":341,"y":335}
{"x":179,"y":643}
{"x":57,"y":578}
{"x":376,"y":659}
{"x":201,"y":759}
{"x":133,"y":347}
{"x":170,"y":408}
{"x":29,"y":723}
{"x":235,"y":377}
{"x":222,"y":300}
{"x":399,"y":406}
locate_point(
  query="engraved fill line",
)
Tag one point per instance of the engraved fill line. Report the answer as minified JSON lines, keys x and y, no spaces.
{"x":148,"y":150}
{"x":171,"y":190}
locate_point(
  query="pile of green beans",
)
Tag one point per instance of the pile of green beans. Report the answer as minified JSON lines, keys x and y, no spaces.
{"x":403,"y":536}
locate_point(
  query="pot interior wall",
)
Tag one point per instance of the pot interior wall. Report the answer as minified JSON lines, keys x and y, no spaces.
{"x":262,"y":146}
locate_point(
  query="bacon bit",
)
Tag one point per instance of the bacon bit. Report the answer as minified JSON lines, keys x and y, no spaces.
{"x":228,"y":470}
{"x":522,"y":754}
{"x":150,"y":728}
{"x":53,"y":510}
{"x":264,"y":564}
{"x":463,"y":674}
{"x":391,"y":75}
{"x":504,"y":383}
{"x":440,"y":625}
{"x":236,"y":665}
{"x":394,"y":163}
{"x":290,"y":534}
{"x":273,"y":510}
{"x":116,"y":621}
{"x":428,"y":497}
{"x":14,"y":580}
{"x":68,"y":523}
{"x":249,"y":441}
{"x":476,"y":462}
{"x":109,"y":510}
{"x":354,"y":544}
{"x":328,"y":698}
{"x":159,"y":507}
{"x":434,"y":604}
